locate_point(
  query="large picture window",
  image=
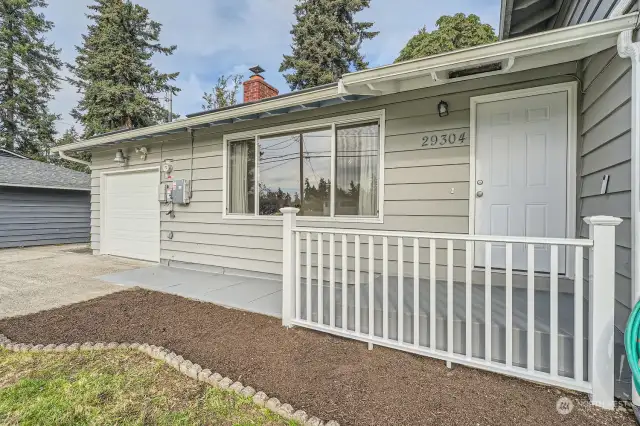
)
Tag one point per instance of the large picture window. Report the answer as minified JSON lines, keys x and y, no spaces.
{"x":331,"y":170}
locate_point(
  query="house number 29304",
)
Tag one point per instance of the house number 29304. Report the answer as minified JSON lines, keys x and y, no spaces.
{"x":446,"y":138}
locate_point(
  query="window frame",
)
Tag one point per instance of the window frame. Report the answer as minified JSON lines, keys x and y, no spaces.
{"x":333,"y":123}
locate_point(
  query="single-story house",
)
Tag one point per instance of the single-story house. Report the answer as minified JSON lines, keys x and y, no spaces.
{"x":41,"y":203}
{"x":472,"y":170}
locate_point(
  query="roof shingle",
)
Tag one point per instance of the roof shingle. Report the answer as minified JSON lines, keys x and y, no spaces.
{"x":30,"y":173}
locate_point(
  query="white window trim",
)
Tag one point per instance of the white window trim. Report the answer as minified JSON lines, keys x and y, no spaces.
{"x":378,"y":115}
{"x":571,"y":88}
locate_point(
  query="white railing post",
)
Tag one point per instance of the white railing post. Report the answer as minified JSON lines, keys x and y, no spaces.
{"x":288,"y":264}
{"x":602,"y":230}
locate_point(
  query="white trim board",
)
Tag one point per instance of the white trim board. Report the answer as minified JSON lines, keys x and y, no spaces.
{"x":378,"y":115}
{"x":571,"y":88}
{"x":14,"y":154}
{"x":103,"y":203}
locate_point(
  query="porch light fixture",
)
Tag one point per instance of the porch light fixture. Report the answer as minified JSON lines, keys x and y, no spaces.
{"x":142,"y":150}
{"x":120,"y":158}
{"x":443,"y":109}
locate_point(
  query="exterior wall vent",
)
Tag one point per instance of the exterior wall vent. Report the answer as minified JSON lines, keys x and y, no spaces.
{"x":465,"y":72}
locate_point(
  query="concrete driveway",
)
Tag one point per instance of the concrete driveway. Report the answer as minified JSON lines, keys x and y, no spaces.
{"x":38,"y":278}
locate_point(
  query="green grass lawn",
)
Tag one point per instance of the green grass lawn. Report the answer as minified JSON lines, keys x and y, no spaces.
{"x":114,"y":388}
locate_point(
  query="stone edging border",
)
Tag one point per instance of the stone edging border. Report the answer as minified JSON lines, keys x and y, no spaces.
{"x":183,"y":366}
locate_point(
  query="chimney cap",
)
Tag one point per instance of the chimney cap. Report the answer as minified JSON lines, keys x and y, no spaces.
{"x":257,"y":70}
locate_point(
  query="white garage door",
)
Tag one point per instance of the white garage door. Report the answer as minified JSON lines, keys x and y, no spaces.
{"x":131,"y":215}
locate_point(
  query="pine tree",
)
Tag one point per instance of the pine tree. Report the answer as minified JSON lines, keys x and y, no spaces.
{"x":71,"y":136}
{"x":119,"y":87}
{"x":326,"y":42}
{"x":28,"y":77}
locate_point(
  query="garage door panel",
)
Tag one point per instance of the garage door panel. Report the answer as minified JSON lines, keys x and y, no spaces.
{"x":129,"y":236}
{"x":132,"y":215}
{"x":139,"y":251}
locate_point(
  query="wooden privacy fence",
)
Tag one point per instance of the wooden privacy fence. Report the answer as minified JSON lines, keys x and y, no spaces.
{"x":552,"y":324}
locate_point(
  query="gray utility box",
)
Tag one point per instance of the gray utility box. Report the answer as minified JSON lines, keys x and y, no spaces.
{"x":180,"y":191}
{"x":177,"y":191}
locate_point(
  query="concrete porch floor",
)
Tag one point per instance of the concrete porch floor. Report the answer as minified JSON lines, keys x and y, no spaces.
{"x":247,"y":293}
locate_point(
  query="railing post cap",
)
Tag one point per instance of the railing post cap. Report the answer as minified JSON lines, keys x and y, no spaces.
{"x":603,"y":220}
{"x":289,"y":210}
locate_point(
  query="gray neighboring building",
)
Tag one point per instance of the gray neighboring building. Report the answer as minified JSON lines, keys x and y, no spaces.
{"x":42,"y":204}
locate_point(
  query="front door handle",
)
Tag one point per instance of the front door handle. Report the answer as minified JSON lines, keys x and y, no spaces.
{"x":479,"y":194}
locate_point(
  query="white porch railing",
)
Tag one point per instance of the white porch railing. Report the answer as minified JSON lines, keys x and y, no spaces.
{"x":466,"y":313}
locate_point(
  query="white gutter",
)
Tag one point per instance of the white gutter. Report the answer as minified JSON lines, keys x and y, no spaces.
{"x":249,"y":109}
{"x":526,"y":45}
{"x":627,"y":48}
{"x":75,"y":160}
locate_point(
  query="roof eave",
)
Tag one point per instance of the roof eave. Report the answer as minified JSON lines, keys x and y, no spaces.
{"x":206,"y":119}
{"x":14,"y":154}
{"x":506,"y":10}
{"x":60,"y":188}
{"x":363,"y":82}
{"x":547,"y":41}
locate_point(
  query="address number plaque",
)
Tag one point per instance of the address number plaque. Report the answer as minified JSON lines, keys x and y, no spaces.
{"x":446,"y":138}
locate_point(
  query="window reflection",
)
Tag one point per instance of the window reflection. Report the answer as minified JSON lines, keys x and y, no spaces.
{"x":295,"y":170}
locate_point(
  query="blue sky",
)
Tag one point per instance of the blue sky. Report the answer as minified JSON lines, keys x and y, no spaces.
{"x":217,"y":37}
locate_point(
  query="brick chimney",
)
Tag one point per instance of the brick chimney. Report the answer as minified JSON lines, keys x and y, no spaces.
{"x":256,"y":88}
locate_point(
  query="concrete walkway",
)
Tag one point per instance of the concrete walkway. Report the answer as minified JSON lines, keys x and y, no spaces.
{"x":250,"y":294}
{"x":39,"y":278}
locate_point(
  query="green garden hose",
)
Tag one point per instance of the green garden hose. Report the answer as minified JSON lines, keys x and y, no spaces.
{"x":632,"y":347}
{"x":632,"y":344}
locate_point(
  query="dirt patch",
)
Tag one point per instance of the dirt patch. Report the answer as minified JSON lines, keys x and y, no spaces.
{"x":80,"y":250}
{"x":329,"y":377}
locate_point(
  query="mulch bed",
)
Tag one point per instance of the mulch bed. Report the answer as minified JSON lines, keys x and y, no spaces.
{"x":329,"y":377}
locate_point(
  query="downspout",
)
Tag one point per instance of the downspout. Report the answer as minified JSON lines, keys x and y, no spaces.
{"x":75,"y":160}
{"x":627,"y":48}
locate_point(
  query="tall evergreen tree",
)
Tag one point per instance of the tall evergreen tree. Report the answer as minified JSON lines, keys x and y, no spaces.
{"x":119,"y":87}
{"x":28,"y":77}
{"x":70,"y":136}
{"x":326,"y":42}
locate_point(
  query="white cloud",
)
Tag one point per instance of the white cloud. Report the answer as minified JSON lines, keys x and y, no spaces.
{"x":190,"y":95}
{"x":219,"y":26}
{"x":217,"y":37}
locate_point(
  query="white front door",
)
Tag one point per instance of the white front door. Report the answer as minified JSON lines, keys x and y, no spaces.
{"x":521,"y":175}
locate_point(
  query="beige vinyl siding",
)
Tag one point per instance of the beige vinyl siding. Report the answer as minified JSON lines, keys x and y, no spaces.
{"x":425,"y":190}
